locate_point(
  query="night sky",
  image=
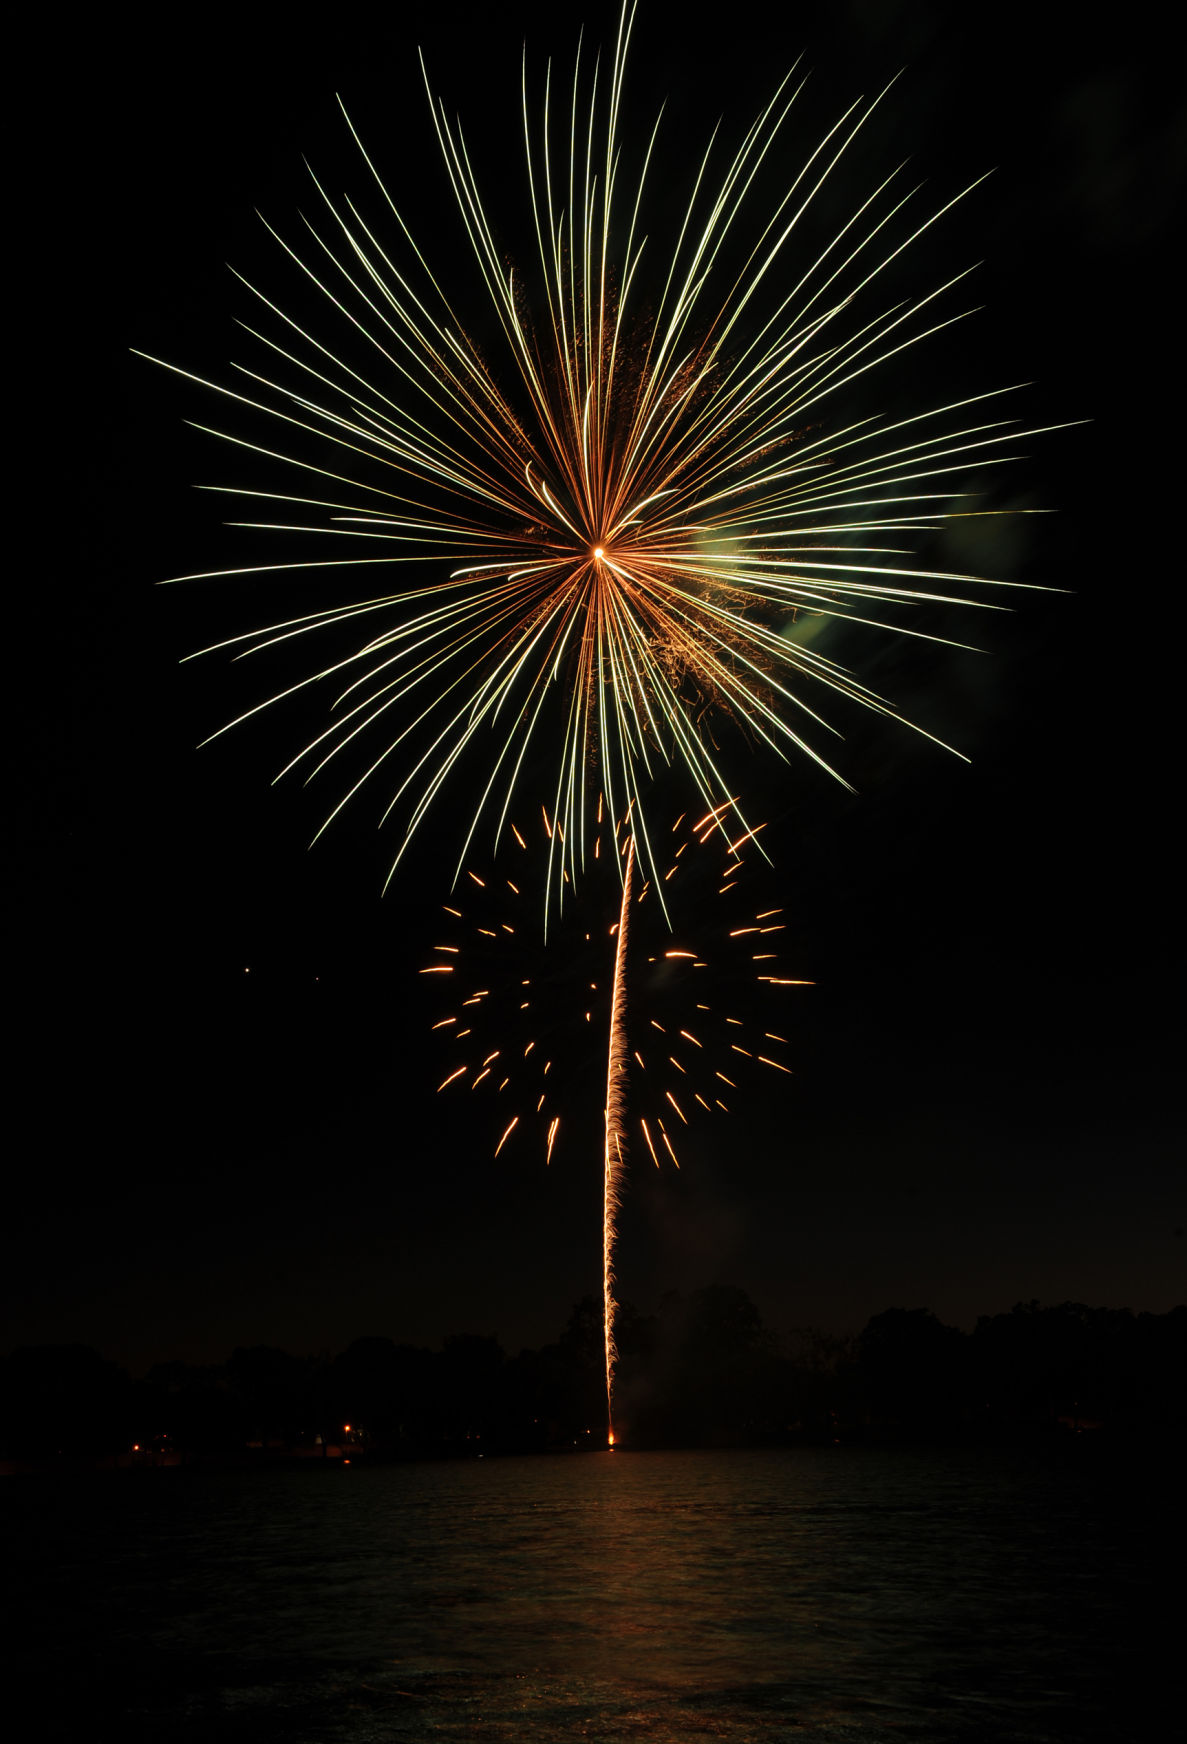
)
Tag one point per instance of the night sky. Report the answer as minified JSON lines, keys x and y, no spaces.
{"x":225,"y":1080}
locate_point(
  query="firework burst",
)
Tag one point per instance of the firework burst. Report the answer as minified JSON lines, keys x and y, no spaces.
{"x":524,"y":1022}
{"x":617,"y":526}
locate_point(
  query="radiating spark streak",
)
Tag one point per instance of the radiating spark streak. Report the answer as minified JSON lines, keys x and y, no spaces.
{"x":615,"y":1134}
{"x":507,"y":1135}
{"x":451,"y":1077}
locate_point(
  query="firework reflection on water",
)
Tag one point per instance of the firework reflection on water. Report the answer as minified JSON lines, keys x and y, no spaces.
{"x":821,"y":1596}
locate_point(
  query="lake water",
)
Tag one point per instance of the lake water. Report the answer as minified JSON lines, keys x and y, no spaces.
{"x":805,"y":1594}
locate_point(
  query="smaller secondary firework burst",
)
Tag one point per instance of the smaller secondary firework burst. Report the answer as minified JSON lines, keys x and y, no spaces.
{"x":524,"y":1020}
{"x":619,"y":1001}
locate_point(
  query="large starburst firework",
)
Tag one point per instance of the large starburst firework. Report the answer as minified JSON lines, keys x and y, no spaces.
{"x":620,"y":523}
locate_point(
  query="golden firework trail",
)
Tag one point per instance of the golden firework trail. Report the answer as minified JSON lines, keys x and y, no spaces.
{"x":615,"y":1133}
{"x":634,"y":518}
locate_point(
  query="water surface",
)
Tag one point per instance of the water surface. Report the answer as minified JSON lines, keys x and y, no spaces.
{"x":808,"y":1594}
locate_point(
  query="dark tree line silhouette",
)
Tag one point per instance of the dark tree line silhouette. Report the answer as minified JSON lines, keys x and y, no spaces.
{"x":702,"y":1371}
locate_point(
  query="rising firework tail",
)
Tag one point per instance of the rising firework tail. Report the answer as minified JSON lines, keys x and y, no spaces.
{"x":631,"y":521}
{"x":614,"y":1121}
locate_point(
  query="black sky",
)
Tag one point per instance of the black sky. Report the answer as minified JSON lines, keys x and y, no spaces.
{"x":984,"y":1108}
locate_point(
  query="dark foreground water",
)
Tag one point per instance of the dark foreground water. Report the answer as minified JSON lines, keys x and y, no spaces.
{"x":811,"y":1594}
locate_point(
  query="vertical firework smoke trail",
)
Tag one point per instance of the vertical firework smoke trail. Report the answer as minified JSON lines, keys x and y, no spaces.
{"x":616,"y":1075}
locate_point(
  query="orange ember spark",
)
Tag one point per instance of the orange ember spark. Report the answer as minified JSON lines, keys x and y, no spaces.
{"x":650,"y":1146}
{"x":676,"y":1106}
